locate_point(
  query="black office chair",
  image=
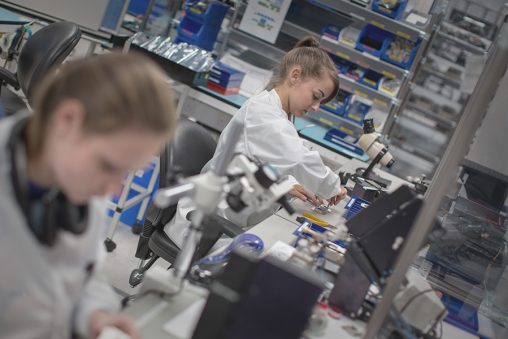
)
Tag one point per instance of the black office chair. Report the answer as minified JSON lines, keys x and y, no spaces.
{"x":47,"y":48}
{"x":190,"y":150}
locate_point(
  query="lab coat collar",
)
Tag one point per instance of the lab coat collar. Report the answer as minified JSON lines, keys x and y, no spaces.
{"x":275,"y":99}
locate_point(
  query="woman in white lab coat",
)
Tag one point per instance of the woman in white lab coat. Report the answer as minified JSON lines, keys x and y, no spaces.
{"x":93,"y":121}
{"x":305,"y":78}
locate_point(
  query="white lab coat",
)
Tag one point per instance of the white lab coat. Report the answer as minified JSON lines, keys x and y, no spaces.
{"x":46,"y":292}
{"x":268,"y":135}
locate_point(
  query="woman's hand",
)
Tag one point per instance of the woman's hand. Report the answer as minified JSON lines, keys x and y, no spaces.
{"x":101,"y":319}
{"x":301,"y":193}
{"x":336,"y":199}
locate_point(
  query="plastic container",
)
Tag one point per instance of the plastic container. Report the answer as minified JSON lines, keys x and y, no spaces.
{"x":222,"y":90}
{"x":196,"y":34}
{"x":357,"y":111}
{"x":331,"y":32}
{"x":225,"y":76}
{"x":338,"y":104}
{"x":201,"y":24}
{"x":373,"y":40}
{"x":210,"y":14}
{"x":400,"y":51}
{"x":344,"y":140}
{"x":342,"y":65}
{"x":349,"y":35}
{"x":355,"y":72}
{"x":389,"y":86}
{"x":394,"y":12}
{"x":371,"y":79}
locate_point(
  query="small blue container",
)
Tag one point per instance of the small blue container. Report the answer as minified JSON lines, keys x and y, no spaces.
{"x":371,"y":79}
{"x":338,"y":104}
{"x":210,"y":14}
{"x":225,"y":75}
{"x":373,"y":40}
{"x":331,"y":31}
{"x":344,"y":140}
{"x":406,"y":64}
{"x":394,"y":13}
{"x":357,"y":111}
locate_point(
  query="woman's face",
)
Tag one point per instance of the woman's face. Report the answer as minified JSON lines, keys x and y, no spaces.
{"x":85,"y":165}
{"x":306,"y":95}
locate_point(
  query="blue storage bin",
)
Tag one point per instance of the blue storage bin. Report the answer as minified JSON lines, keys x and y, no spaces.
{"x":371,"y":79}
{"x":357,"y":111}
{"x":406,"y":64}
{"x":344,"y":140}
{"x":373,"y":40}
{"x":210,"y":14}
{"x":196,"y":34}
{"x":331,"y":31}
{"x":394,"y":13}
{"x":338,"y":104}
{"x":225,"y":75}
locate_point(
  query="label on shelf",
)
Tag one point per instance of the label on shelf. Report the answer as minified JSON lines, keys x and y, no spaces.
{"x":362,"y":94}
{"x":403,"y":35}
{"x":326,"y":121}
{"x":381,"y":102}
{"x":389,"y":74}
{"x":378,"y":24}
{"x":343,"y":55}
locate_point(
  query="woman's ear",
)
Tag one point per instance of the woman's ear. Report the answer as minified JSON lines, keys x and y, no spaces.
{"x":68,"y":117}
{"x":295,"y":75}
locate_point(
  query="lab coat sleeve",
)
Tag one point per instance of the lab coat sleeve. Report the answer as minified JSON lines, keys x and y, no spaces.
{"x":97,"y":295}
{"x":278,"y":142}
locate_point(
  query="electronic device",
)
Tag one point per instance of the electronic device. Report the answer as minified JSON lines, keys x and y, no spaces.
{"x":254,"y":299}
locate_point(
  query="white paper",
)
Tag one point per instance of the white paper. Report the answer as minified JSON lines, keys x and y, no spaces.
{"x":182,"y":326}
{"x":255,"y":79}
{"x":263,"y":18}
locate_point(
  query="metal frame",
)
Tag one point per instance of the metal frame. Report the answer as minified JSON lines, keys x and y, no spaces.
{"x":446,"y":172}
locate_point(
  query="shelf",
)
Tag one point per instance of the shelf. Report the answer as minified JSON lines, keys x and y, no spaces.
{"x":461,"y":43}
{"x":447,"y":79}
{"x":363,"y":59}
{"x":443,"y":121}
{"x":436,"y":98}
{"x":296,"y":31}
{"x":446,"y":62}
{"x":403,"y":145}
{"x":363,"y":91}
{"x":451,"y":27}
{"x":368,"y":16}
{"x":256,"y":44}
{"x":333,"y":120}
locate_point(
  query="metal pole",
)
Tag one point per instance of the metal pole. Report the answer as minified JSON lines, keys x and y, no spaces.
{"x":472,"y":117}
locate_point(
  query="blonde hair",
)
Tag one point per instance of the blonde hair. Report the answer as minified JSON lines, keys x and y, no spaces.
{"x":116,"y":90}
{"x":313,"y":61}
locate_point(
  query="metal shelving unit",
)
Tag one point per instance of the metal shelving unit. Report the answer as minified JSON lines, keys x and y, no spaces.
{"x":362,"y":59}
{"x":367,"y":16}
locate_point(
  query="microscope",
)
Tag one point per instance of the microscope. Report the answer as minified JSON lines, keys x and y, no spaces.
{"x":368,"y":185}
{"x":246,"y":184}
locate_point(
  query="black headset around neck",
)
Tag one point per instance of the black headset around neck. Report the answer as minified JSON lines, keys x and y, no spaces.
{"x":57,"y":213}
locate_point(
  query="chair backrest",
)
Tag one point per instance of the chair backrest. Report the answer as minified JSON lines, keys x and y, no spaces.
{"x":48,"y":47}
{"x":192,"y":147}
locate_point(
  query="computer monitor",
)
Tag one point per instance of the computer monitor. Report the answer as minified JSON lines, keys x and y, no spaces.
{"x":256,"y":299}
{"x":380,"y":231}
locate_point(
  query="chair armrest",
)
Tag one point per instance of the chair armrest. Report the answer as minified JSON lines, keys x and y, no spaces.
{"x":9,"y":77}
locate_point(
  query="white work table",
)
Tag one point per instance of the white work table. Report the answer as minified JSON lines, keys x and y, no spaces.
{"x":279,"y":227}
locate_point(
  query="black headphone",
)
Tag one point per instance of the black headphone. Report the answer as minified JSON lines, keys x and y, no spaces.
{"x":52,"y":212}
